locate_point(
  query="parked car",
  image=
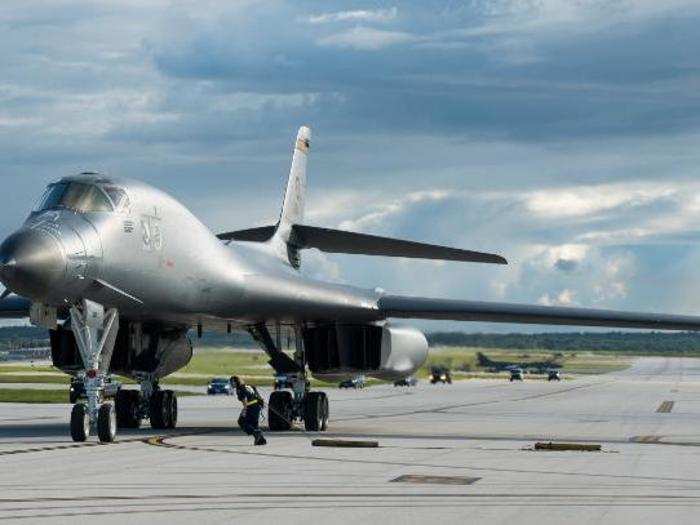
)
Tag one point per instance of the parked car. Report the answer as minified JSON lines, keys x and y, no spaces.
{"x":355,"y":382}
{"x":440,"y":374}
{"x":553,"y":375}
{"x":219,"y":385}
{"x":517,"y":374}
{"x":406,"y":381}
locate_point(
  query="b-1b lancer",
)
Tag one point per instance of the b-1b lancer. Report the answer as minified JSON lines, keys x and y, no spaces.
{"x":119,"y":272}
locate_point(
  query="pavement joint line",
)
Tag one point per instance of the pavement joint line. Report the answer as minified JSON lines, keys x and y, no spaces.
{"x":350,"y":495}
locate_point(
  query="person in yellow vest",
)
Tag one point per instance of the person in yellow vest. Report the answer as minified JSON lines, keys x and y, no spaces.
{"x":252,"y":405}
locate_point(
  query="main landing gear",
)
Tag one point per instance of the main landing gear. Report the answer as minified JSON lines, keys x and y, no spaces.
{"x":101,"y":405}
{"x":133,"y":406}
{"x":285,"y":407}
{"x":299,"y":404}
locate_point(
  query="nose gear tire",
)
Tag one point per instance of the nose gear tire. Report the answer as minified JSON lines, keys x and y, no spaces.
{"x":79,"y":423}
{"x":106,"y":423}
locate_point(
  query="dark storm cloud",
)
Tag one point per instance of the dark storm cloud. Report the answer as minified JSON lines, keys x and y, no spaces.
{"x":565,"y":265}
{"x":425,"y":71}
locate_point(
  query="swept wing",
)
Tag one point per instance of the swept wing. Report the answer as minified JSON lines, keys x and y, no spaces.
{"x":457,"y":310}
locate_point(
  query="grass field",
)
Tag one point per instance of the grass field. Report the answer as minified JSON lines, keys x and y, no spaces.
{"x":465,"y":360}
{"x":30,"y":395}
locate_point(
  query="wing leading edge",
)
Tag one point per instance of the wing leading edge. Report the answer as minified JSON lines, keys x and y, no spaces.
{"x":456,"y":310}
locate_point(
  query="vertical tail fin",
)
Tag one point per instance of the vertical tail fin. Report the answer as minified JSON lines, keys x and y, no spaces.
{"x":294,"y":196}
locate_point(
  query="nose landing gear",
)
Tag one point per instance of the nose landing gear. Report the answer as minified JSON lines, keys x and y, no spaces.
{"x":95,"y":333}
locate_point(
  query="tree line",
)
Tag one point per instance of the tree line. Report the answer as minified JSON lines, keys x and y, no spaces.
{"x":640,"y":343}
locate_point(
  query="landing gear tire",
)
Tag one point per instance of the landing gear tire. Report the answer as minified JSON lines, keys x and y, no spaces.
{"x":127,"y":408}
{"x":315,"y":411}
{"x":163,"y":409}
{"x":280,"y":411}
{"x":106,"y":423}
{"x":158,"y":410}
{"x":326,"y":411}
{"x":172,"y":408}
{"x":79,"y":423}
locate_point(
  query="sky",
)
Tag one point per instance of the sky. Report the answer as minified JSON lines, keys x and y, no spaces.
{"x":561,"y":134}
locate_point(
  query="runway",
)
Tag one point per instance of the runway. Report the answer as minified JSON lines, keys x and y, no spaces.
{"x":464,"y":453}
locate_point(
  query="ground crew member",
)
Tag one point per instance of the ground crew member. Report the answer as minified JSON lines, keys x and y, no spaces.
{"x":252,"y":405}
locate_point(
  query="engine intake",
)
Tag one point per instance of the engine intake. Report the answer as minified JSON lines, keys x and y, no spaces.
{"x":382,"y":351}
{"x":139,"y":349}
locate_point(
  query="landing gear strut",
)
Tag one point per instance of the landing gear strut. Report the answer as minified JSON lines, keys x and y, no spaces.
{"x":284,"y":407}
{"x":95,"y":332}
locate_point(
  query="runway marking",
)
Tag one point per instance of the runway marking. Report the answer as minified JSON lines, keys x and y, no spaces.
{"x":581,"y":447}
{"x":646,"y":439}
{"x":68,"y":446}
{"x":665,"y":407}
{"x":161,"y":442}
{"x":52,"y":448}
{"x":437,"y":480}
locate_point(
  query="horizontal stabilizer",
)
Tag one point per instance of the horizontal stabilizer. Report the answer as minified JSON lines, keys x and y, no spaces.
{"x":260,"y":234}
{"x":456,"y":310}
{"x":338,"y":241}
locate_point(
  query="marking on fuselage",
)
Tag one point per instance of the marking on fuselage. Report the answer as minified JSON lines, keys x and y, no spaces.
{"x":151,"y":233}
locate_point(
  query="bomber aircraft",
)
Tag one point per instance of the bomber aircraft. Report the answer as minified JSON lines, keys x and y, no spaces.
{"x":119,"y":272}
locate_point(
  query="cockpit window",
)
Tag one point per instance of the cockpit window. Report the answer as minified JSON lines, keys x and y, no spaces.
{"x":76,"y":196}
{"x":118,"y":196}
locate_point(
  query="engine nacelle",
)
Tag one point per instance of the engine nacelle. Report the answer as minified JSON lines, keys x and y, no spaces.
{"x":339,"y":351}
{"x":404,"y":350}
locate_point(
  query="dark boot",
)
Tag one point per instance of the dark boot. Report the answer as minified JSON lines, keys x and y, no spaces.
{"x":259,"y":439}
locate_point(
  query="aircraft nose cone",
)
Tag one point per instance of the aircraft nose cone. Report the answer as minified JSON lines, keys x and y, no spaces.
{"x":30,"y":263}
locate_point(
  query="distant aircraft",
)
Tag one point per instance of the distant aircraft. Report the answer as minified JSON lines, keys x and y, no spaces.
{"x":119,"y":271}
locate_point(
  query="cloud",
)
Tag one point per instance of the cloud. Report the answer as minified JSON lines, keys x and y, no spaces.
{"x":592,"y":200}
{"x":560,"y":134}
{"x":563,"y":298}
{"x":364,"y":38}
{"x":360,"y":15}
{"x":566,"y":265}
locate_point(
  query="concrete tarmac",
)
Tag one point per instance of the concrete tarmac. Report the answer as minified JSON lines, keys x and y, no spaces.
{"x":461,"y":453}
